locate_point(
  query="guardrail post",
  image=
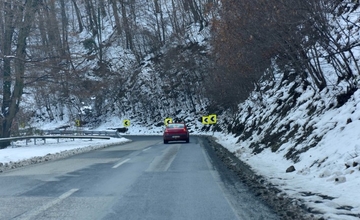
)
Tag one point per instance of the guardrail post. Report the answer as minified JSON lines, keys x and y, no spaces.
{"x":35,"y":141}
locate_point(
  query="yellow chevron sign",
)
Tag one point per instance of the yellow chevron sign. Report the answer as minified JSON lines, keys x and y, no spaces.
{"x":209,"y":119}
{"x":205,"y":120}
{"x":168,"y":121}
{"x":126,"y":123}
{"x":212,"y":119}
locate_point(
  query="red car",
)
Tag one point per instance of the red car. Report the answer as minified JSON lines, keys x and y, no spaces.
{"x":176,"y":132}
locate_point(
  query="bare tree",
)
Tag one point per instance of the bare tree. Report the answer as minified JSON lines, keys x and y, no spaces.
{"x":116,"y":16}
{"x":78,"y":15}
{"x":20,"y":18}
{"x":251,"y":34}
{"x":126,"y":25}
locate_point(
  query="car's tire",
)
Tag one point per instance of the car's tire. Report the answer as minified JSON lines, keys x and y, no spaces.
{"x":187,"y":140}
{"x":165,"y":142}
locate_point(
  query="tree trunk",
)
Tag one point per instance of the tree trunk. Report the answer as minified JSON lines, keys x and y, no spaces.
{"x":128,"y":35}
{"x":6,"y":47}
{"x":78,"y":16}
{"x":116,"y":17}
{"x":12,"y":99}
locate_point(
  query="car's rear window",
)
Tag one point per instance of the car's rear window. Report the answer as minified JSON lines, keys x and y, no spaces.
{"x":175,"y":125}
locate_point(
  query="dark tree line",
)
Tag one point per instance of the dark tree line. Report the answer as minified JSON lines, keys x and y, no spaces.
{"x":298,"y":36}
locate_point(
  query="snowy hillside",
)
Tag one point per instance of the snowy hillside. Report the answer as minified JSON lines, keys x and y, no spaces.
{"x":303,"y":114}
{"x":277,"y":129}
{"x":306,"y":140}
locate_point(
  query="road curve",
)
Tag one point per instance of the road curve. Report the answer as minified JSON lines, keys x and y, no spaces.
{"x":143,"y":179}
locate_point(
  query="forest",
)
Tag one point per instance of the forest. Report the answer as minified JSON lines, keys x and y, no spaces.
{"x":162,"y":57}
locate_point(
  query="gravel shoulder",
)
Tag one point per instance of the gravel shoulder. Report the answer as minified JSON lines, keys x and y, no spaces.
{"x":279,"y":202}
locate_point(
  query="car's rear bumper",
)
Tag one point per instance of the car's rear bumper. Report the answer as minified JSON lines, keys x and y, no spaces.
{"x":176,"y":137}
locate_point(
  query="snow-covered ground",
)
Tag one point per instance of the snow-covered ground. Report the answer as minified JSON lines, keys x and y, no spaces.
{"x":327,"y":174}
{"x":330,"y":186}
{"x":331,"y":189}
{"x":21,"y":151}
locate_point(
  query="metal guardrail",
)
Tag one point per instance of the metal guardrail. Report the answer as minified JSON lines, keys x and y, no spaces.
{"x":70,"y":134}
{"x":44,"y":137}
{"x":81,"y":132}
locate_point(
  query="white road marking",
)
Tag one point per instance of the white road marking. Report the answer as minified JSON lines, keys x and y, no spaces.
{"x":121,"y":163}
{"x":147,"y":149}
{"x":162,"y":162}
{"x":37,"y":211}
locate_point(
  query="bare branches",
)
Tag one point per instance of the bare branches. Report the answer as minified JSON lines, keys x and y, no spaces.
{"x":20,"y":18}
{"x":300,"y":36}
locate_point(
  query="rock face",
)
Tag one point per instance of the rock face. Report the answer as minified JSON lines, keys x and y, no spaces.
{"x":290,"y":169}
{"x":122,"y":130}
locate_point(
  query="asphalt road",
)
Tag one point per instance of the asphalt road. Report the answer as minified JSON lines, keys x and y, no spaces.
{"x":143,"y":179}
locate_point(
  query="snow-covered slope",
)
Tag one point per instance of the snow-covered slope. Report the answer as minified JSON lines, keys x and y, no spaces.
{"x":294,"y":125}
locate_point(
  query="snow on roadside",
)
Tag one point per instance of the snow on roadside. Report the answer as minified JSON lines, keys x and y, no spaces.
{"x":327,"y":175}
{"x":20,"y":154}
